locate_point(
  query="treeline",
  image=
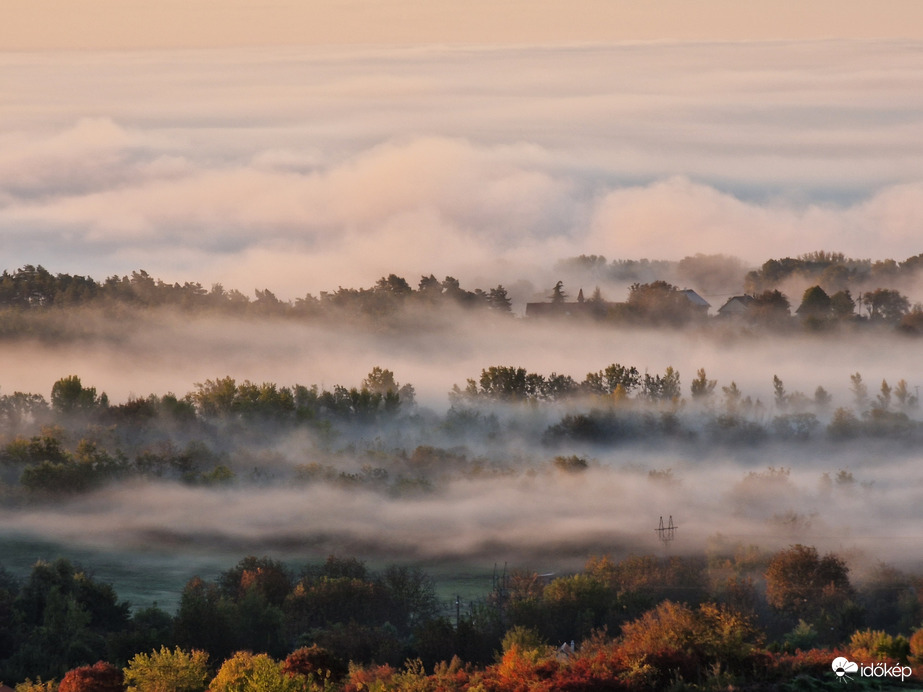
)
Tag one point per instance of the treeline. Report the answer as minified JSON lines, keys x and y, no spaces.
{"x":620,"y":404}
{"x":32,"y":288}
{"x":60,"y":617}
{"x":375,"y":436}
{"x":832,"y":292}
{"x":736,"y":619}
{"x":659,"y":303}
{"x":833,"y":271}
{"x":838,"y":292}
{"x":80,"y":440}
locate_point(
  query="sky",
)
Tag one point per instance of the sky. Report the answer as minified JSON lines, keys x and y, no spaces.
{"x":131,"y":24}
{"x":304,"y":146}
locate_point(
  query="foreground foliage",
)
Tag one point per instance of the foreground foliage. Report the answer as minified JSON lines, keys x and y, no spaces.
{"x":641,"y":623}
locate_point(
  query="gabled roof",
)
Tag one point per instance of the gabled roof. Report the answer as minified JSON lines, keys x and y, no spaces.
{"x":695,"y":298}
{"x":736,"y":304}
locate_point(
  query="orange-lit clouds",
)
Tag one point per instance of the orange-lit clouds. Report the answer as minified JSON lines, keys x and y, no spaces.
{"x":635,"y":221}
{"x":305,"y":169}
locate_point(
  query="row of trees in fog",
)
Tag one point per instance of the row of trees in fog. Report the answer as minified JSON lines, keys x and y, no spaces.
{"x":659,"y":303}
{"x":35,"y":288}
{"x":738,"y":618}
{"x":839,"y":291}
{"x":833,"y":271}
{"x":215,"y":434}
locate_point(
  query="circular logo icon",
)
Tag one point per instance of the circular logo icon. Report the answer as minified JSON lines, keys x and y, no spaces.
{"x":842,"y":666}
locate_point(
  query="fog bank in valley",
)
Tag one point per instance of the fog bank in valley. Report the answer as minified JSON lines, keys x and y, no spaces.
{"x":159,"y":352}
{"x":507,"y":501}
{"x":529,"y":514}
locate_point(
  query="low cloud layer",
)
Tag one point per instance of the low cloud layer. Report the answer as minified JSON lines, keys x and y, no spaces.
{"x":302,"y":170}
{"x":541,"y":519}
{"x":162,"y":353}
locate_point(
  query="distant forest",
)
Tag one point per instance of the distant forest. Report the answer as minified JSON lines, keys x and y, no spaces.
{"x":833,"y":291}
{"x":833,"y":271}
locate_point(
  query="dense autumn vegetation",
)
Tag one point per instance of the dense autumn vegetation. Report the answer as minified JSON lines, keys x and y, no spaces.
{"x":742,"y":621}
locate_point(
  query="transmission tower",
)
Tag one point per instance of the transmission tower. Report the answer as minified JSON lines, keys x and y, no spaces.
{"x":666,"y":533}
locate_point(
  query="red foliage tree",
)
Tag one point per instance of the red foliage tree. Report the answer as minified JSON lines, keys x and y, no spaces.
{"x":364,"y":678}
{"x":317,"y":661}
{"x":100,"y":677}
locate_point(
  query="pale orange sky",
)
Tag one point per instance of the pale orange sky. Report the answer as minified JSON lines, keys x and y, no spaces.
{"x":127,"y":24}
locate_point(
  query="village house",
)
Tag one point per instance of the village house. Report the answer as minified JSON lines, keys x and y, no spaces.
{"x":737,"y":306}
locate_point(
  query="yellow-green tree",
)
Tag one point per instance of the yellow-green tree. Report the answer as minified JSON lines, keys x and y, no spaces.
{"x":247,"y":672}
{"x":38,"y":686}
{"x":167,"y":671}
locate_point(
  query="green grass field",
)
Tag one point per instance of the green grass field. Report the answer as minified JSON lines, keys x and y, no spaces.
{"x":145,"y":578}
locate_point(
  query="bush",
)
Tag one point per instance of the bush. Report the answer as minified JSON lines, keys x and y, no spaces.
{"x":876,"y":645}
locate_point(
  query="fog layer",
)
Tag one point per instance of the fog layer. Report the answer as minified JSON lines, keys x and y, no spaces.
{"x":159,"y":352}
{"x":520,"y":506}
{"x":304,"y":169}
{"x":534,"y":516}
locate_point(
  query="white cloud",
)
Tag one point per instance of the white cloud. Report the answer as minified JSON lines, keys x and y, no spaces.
{"x":674,"y":218}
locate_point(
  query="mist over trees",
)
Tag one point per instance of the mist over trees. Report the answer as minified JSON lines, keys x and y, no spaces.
{"x":824,"y":289}
{"x":214,"y":434}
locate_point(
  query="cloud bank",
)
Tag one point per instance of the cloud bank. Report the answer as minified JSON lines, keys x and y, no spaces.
{"x":305,"y":169}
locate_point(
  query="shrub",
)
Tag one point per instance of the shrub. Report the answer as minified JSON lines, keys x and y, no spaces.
{"x":876,"y":645}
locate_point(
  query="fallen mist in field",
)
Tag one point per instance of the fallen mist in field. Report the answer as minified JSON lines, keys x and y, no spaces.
{"x":849,"y":500}
{"x":159,"y":351}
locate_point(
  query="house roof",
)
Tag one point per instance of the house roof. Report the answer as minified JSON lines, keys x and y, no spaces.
{"x":695,"y":298}
{"x":736,"y":304}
